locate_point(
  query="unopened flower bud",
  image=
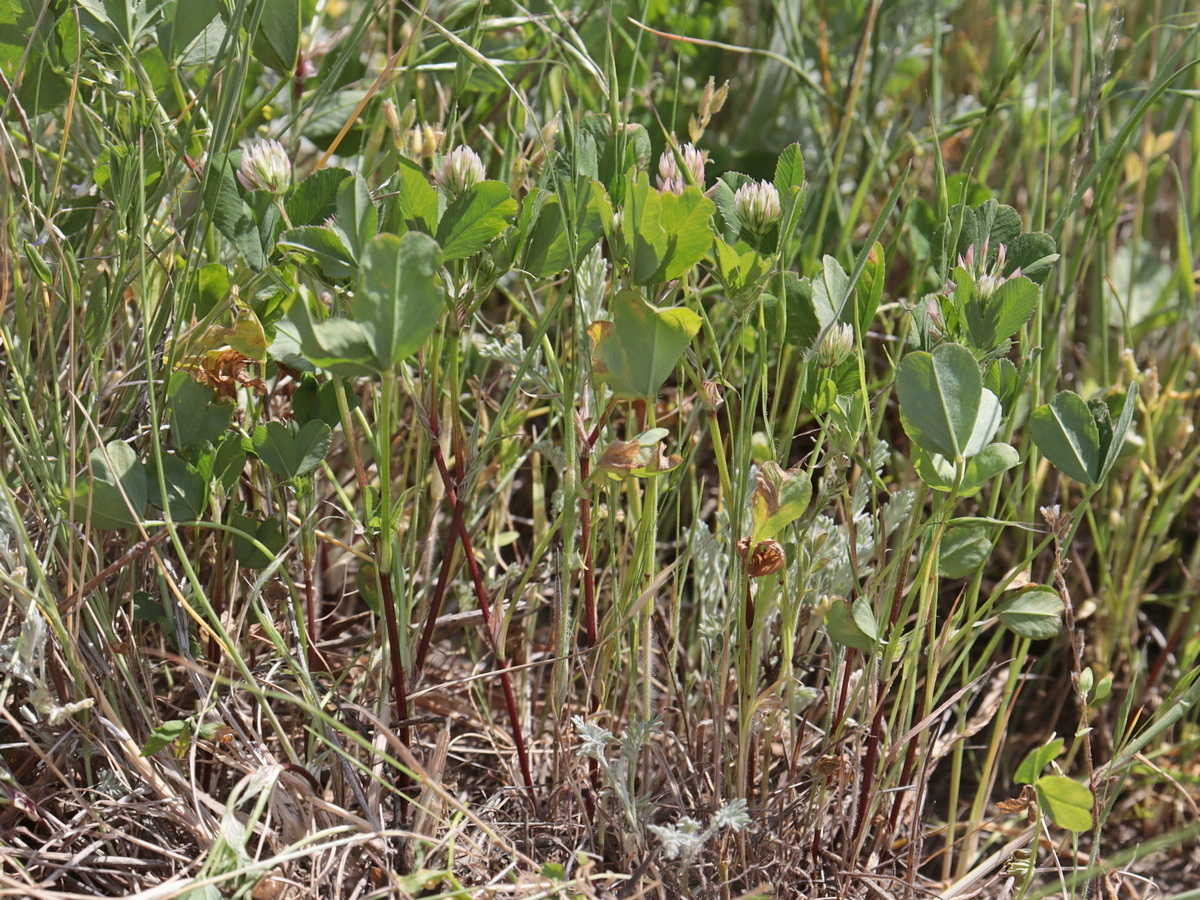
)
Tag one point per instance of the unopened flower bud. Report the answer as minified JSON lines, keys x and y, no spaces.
{"x":390,"y":117}
{"x":266,"y":167}
{"x":836,"y":345}
{"x":460,"y":171}
{"x":757,"y":205}
{"x":706,"y":97}
{"x":409,"y":116}
{"x":718,"y":100}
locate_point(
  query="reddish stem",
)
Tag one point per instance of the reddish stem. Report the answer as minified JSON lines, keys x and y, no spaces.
{"x":439,"y":591}
{"x":485,"y":608}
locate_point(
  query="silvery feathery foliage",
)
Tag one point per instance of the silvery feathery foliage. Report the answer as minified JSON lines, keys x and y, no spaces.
{"x":710,"y":567}
{"x":594,"y":741}
{"x":507,"y":346}
{"x":829,"y":541}
{"x":592,"y":280}
{"x":686,"y":837}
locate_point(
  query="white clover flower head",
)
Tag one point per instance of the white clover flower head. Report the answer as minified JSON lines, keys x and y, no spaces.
{"x":460,"y":171}
{"x":836,"y":345}
{"x":266,"y":167}
{"x":671,"y":179}
{"x":757,"y":205}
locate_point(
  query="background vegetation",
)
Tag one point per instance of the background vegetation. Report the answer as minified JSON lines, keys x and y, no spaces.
{"x":567,"y":516}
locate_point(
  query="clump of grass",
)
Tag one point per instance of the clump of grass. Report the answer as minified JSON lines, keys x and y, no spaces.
{"x":618,"y":450}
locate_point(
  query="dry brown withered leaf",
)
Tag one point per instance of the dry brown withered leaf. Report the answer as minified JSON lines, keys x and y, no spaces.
{"x":224,"y":371}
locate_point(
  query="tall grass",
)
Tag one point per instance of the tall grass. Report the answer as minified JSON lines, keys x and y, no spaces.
{"x":479,"y":620}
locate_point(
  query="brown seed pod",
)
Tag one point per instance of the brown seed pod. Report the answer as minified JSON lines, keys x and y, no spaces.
{"x":767,"y":558}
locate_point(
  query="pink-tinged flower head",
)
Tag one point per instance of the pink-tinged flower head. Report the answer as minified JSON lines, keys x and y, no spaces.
{"x":266,"y":167}
{"x":460,"y":171}
{"x":671,"y":179}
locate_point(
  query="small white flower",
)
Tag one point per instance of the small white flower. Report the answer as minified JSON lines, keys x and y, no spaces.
{"x":757,"y":205}
{"x":671,"y":179}
{"x":836,"y":345}
{"x":266,"y":167}
{"x":461,"y":170}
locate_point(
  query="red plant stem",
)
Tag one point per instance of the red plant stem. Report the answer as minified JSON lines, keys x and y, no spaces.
{"x":590,"y":622}
{"x":485,"y":608}
{"x":868,"y":777}
{"x":585,"y":535}
{"x":310,"y":611}
{"x":439,"y":592}
{"x":388,"y":601}
{"x":590,"y":619}
{"x":399,"y":691}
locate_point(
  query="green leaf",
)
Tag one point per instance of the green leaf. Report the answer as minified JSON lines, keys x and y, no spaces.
{"x":339,"y":346}
{"x":803,"y":325}
{"x":315,"y":199}
{"x":116,"y":474}
{"x":416,"y":200}
{"x":830,"y":290}
{"x":1116,"y":443}
{"x":288,"y":451}
{"x":167,"y":734}
{"x":1034,"y":254}
{"x":312,"y":401}
{"x":638,"y":349}
{"x":944,"y":406}
{"x":1037,"y":759}
{"x":212,"y":286}
{"x":228,"y":461}
{"x":195,"y":418}
{"x":963,"y":552}
{"x":939,"y":473}
{"x":845,"y":626}
{"x":993,"y":322}
{"x":665,"y":234}
{"x":187,"y":491}
{"x":399,"y":300}
{"x":1067,"y":802}
{"x":1003,"y":380}
{"x":475,"y":219}
{"x":1033,"y":612}
{"x":277,"y":40}
{"x":183,"y":22}
{"x":548,"y":250}
{"x":268,"y":533}
{"x":778,"y":500}
{"x":1066,"y":433}
{"x":326,"y":247}
{"x":870,"y":290}
{"x":789,"y":181}
{"x":24,"y":45}
{"x":229,"y":213}
{"x":357,"y":218}
{"x":740,"y":268}
{"x":612,"y":153}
